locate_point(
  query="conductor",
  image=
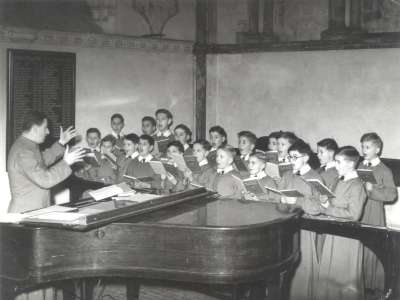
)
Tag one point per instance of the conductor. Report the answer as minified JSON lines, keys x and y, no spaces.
{"x":32,"y":172}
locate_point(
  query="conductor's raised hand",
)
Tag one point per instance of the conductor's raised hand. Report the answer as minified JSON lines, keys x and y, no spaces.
{"x":74,"y":156}
{"x":67,"y":135}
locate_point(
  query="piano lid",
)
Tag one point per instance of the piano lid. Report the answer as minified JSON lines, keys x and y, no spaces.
{"x":94,"y":214}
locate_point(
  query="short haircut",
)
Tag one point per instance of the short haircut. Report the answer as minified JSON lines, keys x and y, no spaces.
{"x":262,"y":143}
{"x":289,"y":136}
{"x":230,"y":150}
{"x":178,"y":145}
{"x":119,"y":116}
{"x":148,"y":138}
{"x":329,"y":144}
{"x":149,"y":119}
{"x":164,"y":111}
{"x":373,"y":137}
{"x":33,"y":118}
{"x":93,"y":130}
{"x":133,"y":137}
{"x":185,"y":129}
{"x":252,"y":138}
{"x":300,"y":146}
{"x":221,"y":131}
{"x":303,"y":148}
{"x":275,"y":134}
{"x":204,"y":143}
{"x":349,"y":153}
{"x":109,"y":138}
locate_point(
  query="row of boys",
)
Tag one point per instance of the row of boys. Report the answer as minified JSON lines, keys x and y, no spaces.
{"x":331,"y":257}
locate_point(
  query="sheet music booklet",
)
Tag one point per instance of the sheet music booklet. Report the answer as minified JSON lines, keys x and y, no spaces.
{"x":286,"y":193}
{"x":320,"y":187}
{"x":366,"y":175}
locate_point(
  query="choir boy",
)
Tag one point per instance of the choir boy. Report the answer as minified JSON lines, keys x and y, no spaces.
{"x":206,"y":176}
{"x":108,"y":169}
{"x":227,"y":182}
{"x":175,"y":182}
{"x":273,"y":140}
{"x":163,"y":136}
{"x":184,"y":135}
{"x":149,"y":125}
{"x":284,"y":142}
{"x":218,"y":138}
{"x":117,"y":124}
{"x":300,"y":154}
{"x":256,"y":166}
{"x":139,"y":167}
{"x":326,"y":150}
{"x":338,"y":275}
{"x":247,"y":142}
{"x":384,"y":191}
{"x":93,"y":139}
{"x":131,"y":143}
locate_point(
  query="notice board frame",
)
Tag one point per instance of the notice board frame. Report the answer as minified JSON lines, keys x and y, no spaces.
{"x":12,"y":54}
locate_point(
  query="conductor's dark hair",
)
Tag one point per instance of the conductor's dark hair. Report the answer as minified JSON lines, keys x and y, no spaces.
{"x":251,"y":137}
{"x":178,"y":145}
{"x":374,"y":138}
{"x":93,"y":130}
{"x":149,"y":119}
{"x":133,"y":137}
{"x":303,"y":148}
{"x":329,"y":144}
{"x":204,"y":143}
{"x":164,"y":111}
{"x":349,"y":153}
{"x":33,"y":118}
{"x":221,"y":131}
{"x":109,"y":138}
{"x":119,"y":116}
{"x":147,"y":138}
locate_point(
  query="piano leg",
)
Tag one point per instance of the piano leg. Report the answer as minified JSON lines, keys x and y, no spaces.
{"x":132,"y":289}
{"x":85,"y":288}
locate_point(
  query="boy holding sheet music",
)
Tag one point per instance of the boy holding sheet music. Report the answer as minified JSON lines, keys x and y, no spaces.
{"x":339,"y":269}
{"x":184,"y":135}
{"x":378,"y":193}
{"x":108,"y":169}
{"x":141,"y":174}
{"x":257,"y":162}
{"x":163,"y":136}
{"x":326,"y":150}
{"x":300,"y":154}
{"x":131,"y":143}
{"x":174,"y":179}
{"x":227,"y":182}
{"x":205,"y":174}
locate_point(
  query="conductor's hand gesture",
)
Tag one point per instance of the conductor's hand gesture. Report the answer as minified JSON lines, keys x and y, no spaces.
{"x":74,"y":155}
{"x":67,"y":135}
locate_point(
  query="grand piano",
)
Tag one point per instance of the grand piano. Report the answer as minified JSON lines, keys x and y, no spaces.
{"x":230,"y":249}
{"x":221,"y":247}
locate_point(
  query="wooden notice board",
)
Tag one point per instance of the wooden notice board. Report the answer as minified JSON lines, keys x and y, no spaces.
{"x":42,"y":81}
